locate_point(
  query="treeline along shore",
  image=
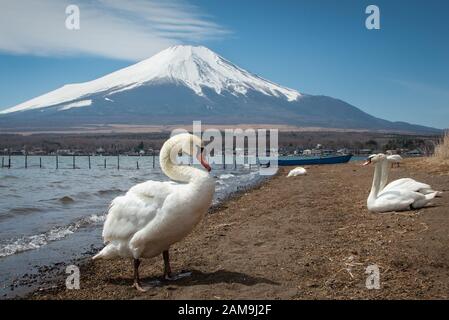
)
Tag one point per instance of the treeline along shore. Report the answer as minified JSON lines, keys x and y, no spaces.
{"x":149,"y":143}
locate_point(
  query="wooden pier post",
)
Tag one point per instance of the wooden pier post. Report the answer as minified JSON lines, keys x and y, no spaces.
{"x":57,"y":162}
{"x":118,"y":162}
{"x":105,"y":163}
{"x":3,"y":162}
{"x":73,"y":161}
{"x":40,"y":162}
{"x":9,"y":161}
{"x":153,"y":158}
{"x":88,"y":158}
{"x":137,"y":164}
{"x":257,"y":153}
{"x":26,"y":160}
{"x":223,"y":151}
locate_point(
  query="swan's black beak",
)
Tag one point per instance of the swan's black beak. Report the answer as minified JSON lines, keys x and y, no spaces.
{"x":203,"y":162}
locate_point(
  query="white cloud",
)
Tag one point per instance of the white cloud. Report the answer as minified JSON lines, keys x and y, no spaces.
{"x":131,"y":30}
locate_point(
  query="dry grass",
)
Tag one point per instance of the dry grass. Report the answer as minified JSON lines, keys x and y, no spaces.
{"x":442,"y":149}
{"x":438,"y":163}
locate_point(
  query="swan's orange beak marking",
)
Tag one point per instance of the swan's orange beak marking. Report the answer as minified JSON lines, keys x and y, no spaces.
{"x":203,"y":161}
{"x":367,"y":162}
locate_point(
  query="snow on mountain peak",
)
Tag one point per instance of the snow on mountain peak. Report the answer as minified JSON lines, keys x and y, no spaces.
{"x":196,"y":67}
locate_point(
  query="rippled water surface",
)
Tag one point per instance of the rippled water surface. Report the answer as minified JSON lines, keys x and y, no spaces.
{"x":49,"y":215}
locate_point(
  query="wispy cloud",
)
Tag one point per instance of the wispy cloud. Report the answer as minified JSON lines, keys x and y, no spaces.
{"x":130,"y":30}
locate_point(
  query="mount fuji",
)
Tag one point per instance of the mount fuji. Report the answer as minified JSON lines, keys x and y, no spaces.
{"x":185,"y":83}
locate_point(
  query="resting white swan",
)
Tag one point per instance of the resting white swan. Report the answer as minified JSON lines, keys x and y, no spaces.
{"x":394,"y":199}
{"x":154,"y":215}
{"x":298,"y":171}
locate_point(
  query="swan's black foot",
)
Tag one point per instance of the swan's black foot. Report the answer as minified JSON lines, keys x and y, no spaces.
{"x":167,"y":269}
{"x":174,"y":277}
{"x":137,"y":283}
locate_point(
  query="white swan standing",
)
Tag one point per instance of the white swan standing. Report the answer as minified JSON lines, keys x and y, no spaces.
{"x":395,"y":199}
{"x":153,"y":215}
{"x":298,"y":171}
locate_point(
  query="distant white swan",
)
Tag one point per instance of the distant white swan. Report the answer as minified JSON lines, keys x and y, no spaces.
{"x":298,"y":171}
{"x":153,"y":215}
{"x":392,"y":199}
{"x":394,"y":159}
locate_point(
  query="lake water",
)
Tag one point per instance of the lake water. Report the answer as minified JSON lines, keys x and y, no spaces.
{"x":51,"y":216}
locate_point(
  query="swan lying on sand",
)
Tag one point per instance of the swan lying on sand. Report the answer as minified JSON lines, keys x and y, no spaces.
{"x":396,"y":196}
{"x":153,"y":215}
{"x":298,"y":171}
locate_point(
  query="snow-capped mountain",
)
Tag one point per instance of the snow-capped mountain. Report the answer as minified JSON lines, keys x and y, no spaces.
{"x":185,"y":83}
{"x":194,"y":67}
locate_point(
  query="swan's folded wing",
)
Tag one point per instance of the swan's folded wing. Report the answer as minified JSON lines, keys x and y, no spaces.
{"x":397,"y":200}
{"x":130,"y":213}
{"x":153,"y":189}
{"x":405,"y":184}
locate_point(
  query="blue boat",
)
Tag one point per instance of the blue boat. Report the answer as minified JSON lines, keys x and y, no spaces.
{"x":292,"y":161}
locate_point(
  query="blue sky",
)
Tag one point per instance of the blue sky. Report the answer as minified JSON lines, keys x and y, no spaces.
{"x":400,"y":72}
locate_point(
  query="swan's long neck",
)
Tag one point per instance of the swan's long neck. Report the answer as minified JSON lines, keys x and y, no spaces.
{"x":385,"y":173}
{"x":375,"y":188}
{"x":174,"y":171}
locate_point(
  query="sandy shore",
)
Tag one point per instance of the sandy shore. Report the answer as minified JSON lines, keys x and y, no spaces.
{"x":308,"y":237}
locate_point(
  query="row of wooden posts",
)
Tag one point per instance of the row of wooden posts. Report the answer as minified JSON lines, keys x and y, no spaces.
{"x":6,"y":162}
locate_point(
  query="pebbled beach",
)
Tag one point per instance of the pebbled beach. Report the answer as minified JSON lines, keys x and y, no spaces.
{"x":305,"y":237}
